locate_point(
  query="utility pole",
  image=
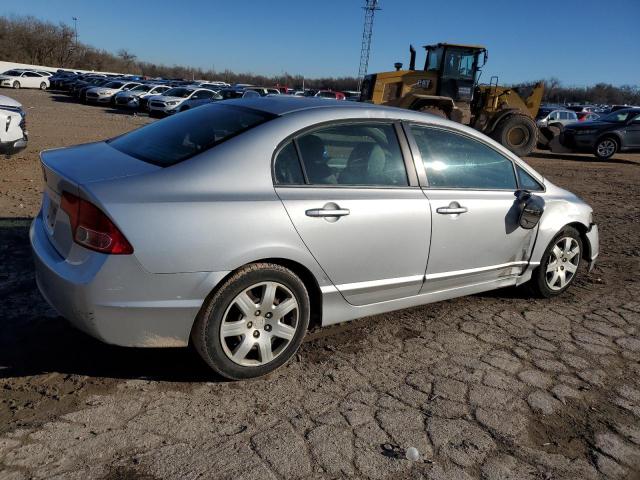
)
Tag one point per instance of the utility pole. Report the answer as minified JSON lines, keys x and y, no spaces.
{"x":369,"y":8}
{"x":75,"y":28}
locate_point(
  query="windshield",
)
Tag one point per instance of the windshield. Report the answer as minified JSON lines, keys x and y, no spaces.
{"x":459,"y":64}
{"x":142,"y":88}
{"x":113,"y":85}
{"x":192,"y":132}
{"x":543,"y":112}
{"x":12,"y":73}
{"x":620,"y":116}
{"x":178,"y":92}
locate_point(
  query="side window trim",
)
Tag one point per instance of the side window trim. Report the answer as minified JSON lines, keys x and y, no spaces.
{"x":424,"y":182}
{"x":394,"y":123}
{"x":294,"y":140}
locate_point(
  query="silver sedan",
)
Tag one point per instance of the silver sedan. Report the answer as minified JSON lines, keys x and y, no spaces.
{"x":237,"y":225}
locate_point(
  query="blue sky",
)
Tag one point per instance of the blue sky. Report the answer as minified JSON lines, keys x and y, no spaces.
{"x":579,"y":41}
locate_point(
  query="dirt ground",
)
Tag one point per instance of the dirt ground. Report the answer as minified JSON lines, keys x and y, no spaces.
{"x":492,"y":386}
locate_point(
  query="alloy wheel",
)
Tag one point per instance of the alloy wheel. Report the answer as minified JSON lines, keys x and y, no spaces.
{"x":563,"y":263}
{"x":259,"y":324}
{"x":606,"y":148}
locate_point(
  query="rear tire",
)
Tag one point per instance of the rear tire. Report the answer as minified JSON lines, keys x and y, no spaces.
{"x":559,"y":265}
{"x":606,"y":148}
{"x":16,"y":85}
{"x":240,"y":333}
{"x":43,"y":86}
{"x":518,"y":133}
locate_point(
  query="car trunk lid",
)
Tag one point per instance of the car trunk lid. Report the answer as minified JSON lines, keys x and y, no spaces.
{"x":73,"y":170}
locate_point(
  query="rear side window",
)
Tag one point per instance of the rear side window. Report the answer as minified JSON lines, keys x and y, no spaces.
{"x":287,"y":170}
{"x":359,"y":154}
{"x":177,"y":138}
{"x":456,"y":161}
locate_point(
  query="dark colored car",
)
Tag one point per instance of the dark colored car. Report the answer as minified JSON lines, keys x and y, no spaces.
{"x":617,"y":132}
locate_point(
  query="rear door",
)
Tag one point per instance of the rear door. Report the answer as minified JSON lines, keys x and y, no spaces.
{"x":358,"y":208}
{"x":475,"y":233}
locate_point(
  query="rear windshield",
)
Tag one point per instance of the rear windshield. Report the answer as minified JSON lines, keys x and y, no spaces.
{"x":177,"y":138}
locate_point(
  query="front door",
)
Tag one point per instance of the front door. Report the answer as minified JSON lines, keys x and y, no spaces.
{"x":633,"y":133}
{"x":475,"y":232}
{"x":351,"y":202}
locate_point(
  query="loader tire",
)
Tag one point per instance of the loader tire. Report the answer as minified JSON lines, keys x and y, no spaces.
{"x":518,"y":133}
{"x":438,"y":112}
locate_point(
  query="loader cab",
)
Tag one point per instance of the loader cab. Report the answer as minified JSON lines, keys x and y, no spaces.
{"x":457,"y":67}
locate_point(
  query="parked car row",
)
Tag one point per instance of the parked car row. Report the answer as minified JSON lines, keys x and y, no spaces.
{"x":161,"y":97}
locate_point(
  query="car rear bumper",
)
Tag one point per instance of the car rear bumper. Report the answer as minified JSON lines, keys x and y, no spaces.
{"x":112,"y":298}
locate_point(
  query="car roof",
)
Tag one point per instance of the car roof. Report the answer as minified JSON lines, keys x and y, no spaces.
{"x":284,"y":104}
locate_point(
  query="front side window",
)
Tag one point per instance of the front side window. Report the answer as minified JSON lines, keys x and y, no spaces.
{"x":177,"y":138}
{"x":527,"y":182}
{"x":452,"y":160}
{"x":358,"y":154}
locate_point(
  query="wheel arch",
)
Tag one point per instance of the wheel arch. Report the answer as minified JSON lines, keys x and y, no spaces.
{"x":586,"y":244}
{"x":304,"y":273}
{"x":610,"y":134}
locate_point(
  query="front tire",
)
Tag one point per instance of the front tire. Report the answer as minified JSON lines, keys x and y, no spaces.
{"x":559,"y":265}
{"x":16,"y":85}
{"x":605,"y":148}
{"x":43,"y":86}
{"x":254,"y":323}
{"x":518,"y":133}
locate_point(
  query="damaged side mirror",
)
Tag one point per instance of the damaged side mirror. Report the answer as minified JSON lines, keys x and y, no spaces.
{"x":531,"y":209}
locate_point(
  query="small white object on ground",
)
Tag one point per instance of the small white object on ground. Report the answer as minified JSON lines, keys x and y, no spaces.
{"x":413,"y":454}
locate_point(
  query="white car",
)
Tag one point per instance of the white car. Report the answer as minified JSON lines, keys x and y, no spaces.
{"x":134,"y":98}
{"x":170,"y":101}
{"x":24,"y":79}
{"x":13,"y":135}
{"x":106,"y":93}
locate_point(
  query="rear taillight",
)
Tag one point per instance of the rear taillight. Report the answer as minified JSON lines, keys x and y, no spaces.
{"x":92,"y":229}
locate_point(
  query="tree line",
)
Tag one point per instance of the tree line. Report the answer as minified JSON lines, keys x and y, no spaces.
{"x":26,"y":39}
{"x":599,"y":94}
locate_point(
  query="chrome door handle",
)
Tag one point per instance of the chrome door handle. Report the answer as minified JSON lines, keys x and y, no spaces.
{"x":328,"y":212}
{"x":451,"y":210}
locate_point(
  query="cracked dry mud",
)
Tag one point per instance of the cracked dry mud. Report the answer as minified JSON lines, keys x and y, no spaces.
{"x":493,"y":386}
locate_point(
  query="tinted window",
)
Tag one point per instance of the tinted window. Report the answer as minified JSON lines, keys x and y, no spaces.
{"x":194,"y":131}
{"x":456,"y":161}
{"x":286,"y":168}
{"x":354,"y":154}
{"x":564,"y":116}
{"x":527,"y":182}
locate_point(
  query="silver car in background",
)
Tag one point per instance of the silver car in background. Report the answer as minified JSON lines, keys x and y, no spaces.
{"x":236,"y":225}
{"x":559,"y":117}
{"x":133,"y":98}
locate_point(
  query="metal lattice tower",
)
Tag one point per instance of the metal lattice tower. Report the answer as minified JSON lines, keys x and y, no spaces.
{"x":369,"y":11}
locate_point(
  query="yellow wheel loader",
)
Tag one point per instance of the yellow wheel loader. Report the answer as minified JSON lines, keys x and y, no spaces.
{"x":448,"y":87}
